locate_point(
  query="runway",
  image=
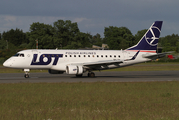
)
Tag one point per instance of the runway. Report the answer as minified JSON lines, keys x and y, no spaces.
{"x":125,"y":76}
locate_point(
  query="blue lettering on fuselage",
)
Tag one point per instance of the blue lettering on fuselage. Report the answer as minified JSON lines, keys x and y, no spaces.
{"x":48,"y":57}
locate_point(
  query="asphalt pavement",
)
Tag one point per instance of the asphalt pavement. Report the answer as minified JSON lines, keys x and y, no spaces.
{"x":124,"y":76}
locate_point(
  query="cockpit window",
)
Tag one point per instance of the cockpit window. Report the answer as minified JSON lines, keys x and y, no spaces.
{"x":19,"y":55}
{"x":16,"y":55}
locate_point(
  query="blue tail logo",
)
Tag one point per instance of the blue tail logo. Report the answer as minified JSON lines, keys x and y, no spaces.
{"x":150,"y":39}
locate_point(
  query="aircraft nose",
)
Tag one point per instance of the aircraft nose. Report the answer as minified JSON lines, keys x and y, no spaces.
{"x":7,"y":63}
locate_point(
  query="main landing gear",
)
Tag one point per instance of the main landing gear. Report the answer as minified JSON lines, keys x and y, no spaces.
{"x":26,"y":73}
{"x":91,"y":74}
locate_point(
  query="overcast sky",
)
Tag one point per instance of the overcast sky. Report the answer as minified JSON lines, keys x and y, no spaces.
{"x":91,"y":15}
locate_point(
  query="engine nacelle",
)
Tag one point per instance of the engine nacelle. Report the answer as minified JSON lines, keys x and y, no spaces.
{"x":55,"y":71}
{"x":73,"y":69}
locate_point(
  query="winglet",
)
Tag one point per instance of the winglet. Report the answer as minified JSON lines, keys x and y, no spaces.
{"x":134,"y":57}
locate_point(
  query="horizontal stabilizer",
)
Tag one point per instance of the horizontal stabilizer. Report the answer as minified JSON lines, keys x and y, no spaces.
{"x":155,"y":56}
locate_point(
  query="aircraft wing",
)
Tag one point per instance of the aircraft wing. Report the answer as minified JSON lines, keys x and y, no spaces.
{"x":100,"y":63}
{"x":159,"y":55}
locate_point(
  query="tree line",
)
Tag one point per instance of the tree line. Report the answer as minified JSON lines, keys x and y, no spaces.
{"x":66,"y":35}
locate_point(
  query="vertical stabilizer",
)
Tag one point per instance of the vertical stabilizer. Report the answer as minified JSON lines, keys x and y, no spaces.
{"x":150,"y":39}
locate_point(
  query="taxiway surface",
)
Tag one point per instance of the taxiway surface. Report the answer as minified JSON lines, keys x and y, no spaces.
{"x":125,"y":76}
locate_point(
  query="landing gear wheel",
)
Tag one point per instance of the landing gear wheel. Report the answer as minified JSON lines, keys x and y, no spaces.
{"x":26,"y":75}
{"x":91,"y":74}
{"x":79,"y":75}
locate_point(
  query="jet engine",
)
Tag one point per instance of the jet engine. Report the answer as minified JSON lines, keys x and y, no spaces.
{"x":55,"y":71}
{"x":73,"y":69}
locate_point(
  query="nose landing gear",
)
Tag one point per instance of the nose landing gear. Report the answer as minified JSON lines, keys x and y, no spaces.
{"x":26,"y":73}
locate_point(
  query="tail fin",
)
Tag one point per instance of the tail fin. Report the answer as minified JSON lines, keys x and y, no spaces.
{"x":150,"y":39}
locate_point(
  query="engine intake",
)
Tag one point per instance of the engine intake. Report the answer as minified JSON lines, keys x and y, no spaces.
{"x":73,"y":69}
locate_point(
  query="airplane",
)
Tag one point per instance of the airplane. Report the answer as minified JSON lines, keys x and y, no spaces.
{"x":77,"y":62}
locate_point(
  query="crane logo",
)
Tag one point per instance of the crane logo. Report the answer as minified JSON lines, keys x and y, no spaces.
{"x":152,"y":36}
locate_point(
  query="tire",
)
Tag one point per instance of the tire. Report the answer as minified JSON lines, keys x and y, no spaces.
{"x":26,"y":76}
{"x":91,"y":74}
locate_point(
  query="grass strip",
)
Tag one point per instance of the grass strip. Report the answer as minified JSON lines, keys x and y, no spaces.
{"x":86,"y":101}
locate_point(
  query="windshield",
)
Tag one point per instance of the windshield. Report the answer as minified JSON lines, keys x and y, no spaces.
{"x":16,"y":55}
{"x":19,"y":55}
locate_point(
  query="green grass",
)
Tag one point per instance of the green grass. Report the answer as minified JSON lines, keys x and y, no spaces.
{"x":87,"y":101}
{"x":154,"y":66}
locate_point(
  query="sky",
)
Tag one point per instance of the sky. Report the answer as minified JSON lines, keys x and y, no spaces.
{"x":92,"y":16}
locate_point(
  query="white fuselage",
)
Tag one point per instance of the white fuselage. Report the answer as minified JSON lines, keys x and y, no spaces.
{"x":59,"y":59}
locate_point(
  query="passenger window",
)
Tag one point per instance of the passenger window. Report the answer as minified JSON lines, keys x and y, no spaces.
{"x":106,"y":56}
{"x":119,"y":56}
{"x":65,"y":55}
{"x":97,"y":55}
{"x":88,"y":55}
{"x":101,"y":55}
{"x":84,"y":55}
{"x":114,"y":56}
{"x":79,"y":56}
{"x":70,"y":55}
{"x":110,"y":55}
{"x":74,"y":55}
